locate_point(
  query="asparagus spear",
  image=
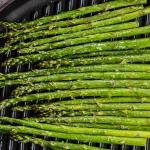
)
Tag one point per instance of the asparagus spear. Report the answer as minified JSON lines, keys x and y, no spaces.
{"x":78,"y":130}
{"x":106,"y":92}
{"x":54,"y":144}
{"x":104,"y":100}
{"x":120,"y":113}
{"x":81,"y":12}
{"x":81,"y":49}
{"x":94,"y":107}
{"x":83,"y":69}
{"x":143,"y":58}
{"x":91,"y":101}
{"x":115,"y":20}
{"x":107,"y":126}
{"x":78,"y":137}
{"x":113,"y":120}
{"x":110,"y":53}
{"x":82,"y":84}
{"x":28,"y":79}
{"x":69,"y":36}
{"x":39,"y":76}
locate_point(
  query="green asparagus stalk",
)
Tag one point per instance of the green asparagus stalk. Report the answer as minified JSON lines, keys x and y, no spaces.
{"x":115,"y":20}
{"x":94,"y":107}
{"x":104,"y":100}
{"x":69,"y":36}
{"x":91,"y":101}
{"x":97,"y":17}
{"x":54,"y":144}
{"x":82,"y":11}
{"x":82,"y":84}
{"x":107,"y":126}
{"x":83,"y":69}
{"x":45,"y":75}
{"x":120,"y":113}
{"x":143,"y":58}
{"x":106,"y":92}
{"x":79,"y":137}
{"x":28,"y":79}
{"x":113,"y":120}
{"x":110,"y":53}
{"x":81,"y":49}
{"x":75,"y":130}
{"x":9,"y":25}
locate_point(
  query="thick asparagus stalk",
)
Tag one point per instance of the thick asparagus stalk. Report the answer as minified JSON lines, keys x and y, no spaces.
{"x":75,"y":130}
{"x":83,"y":69}
{"x":120,"y":113}
{"x":104,"y":100}
{"x":115,"y":20}
{"x":28,"y":79}
{"x":91,"y":101}
{"x":81,"y":49}
{"x":78,"y":137}
{"x":106,"y":92}
{"x":97,"y":17}
{"x":107,"y":126}
{"x":82,"y":84}
{"x":82,"y":11}
{"x":69,"y":36}
{"x":110,"y":53}
{"x":54,"y":144}
{"x":45,"y":75}
{"x":113,"y":120}
{"x":143,"y":58}
{"x":94,"y":107}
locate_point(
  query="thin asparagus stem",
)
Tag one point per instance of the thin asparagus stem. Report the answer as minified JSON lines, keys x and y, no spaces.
{"x":75,"y":130}
{"x":37,"y":76}
{"x":82,"y":84}
{"x":113,"y":120}
{"x":91,"y":101}
{"x":104,"y":100}
{"x":94,"y":107}
{"x":78,"y":137}
{"x":81,"y":49}
{"x":106,"y":92}
{"x":119,"y":113}
{"x":54,"y":144}
{"x":110,"y":53}
{"x":28,"y":79}
{"x":82,"y":11}
{"x":9,"y":25}
{"x":83,"y":69}
{"x":143,"y":58}
{"x":69,"y":36}
{"x":107,"y":126}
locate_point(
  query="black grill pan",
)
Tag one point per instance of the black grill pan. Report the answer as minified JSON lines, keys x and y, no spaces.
{"x":22,"y":10}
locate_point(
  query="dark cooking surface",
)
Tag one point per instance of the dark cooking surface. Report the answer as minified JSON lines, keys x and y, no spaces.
{"x":21,"y":10}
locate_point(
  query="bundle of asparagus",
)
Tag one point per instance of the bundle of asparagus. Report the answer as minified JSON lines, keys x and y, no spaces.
{"x":89,"y":83}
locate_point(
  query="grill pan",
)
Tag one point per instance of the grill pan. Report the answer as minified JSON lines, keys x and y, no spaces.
{"x":16,"y":10}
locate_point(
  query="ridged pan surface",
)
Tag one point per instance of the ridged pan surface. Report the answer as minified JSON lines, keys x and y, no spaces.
{"x":23,"y":10}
